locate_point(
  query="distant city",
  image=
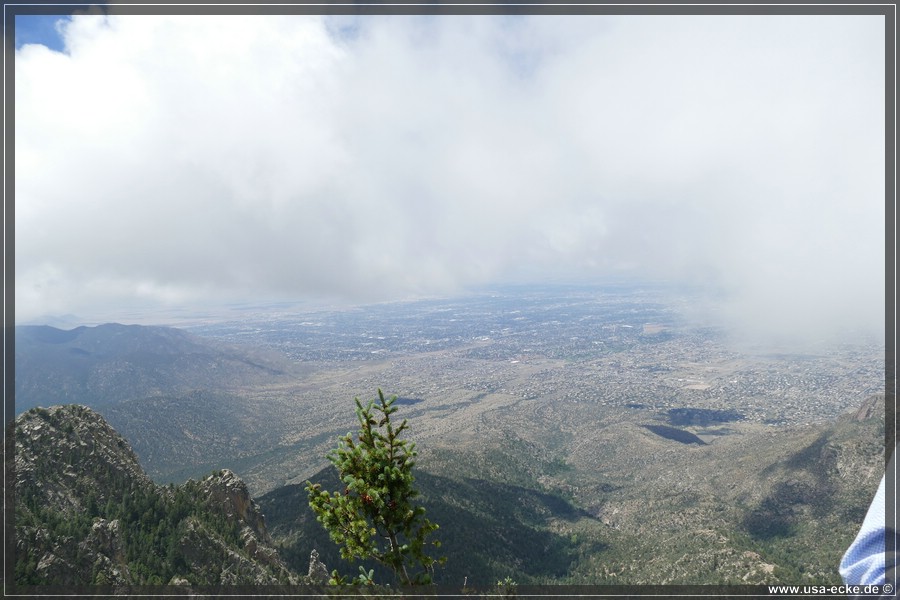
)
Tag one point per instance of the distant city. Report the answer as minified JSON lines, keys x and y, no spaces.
{"x":612,"y":346}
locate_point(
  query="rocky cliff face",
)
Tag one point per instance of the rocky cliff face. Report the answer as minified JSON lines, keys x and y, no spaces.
{"x":67,"y":455}
{"x":87,"y":514}
{"x":871,"y":408}
{"x":226,"y":493}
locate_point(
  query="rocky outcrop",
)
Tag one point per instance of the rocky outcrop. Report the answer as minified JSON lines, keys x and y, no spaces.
{"x":318,"y":572}
{"x":210,"y":558}
{"x":871,"y":408}
{"x":227,"y":493}
{"x":68,"y":457}
{"x":106,"y":545}
{"x":87,"y":514}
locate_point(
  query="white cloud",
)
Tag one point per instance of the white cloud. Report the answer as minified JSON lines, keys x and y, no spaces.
{"x":177,"y":159}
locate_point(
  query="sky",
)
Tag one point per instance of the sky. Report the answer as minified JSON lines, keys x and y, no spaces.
{"x":39,"y":29}
{"x":165,"y":162}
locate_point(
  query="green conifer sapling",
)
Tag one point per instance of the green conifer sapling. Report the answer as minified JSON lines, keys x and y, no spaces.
{"x":374,"y":516}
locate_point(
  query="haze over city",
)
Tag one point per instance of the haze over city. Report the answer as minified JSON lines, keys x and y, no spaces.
{"x":165,"y":162}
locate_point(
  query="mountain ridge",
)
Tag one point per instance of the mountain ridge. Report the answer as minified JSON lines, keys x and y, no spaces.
{"x":164,"y":389}
{"x":87,"y":514}
{"x":110,"y":363}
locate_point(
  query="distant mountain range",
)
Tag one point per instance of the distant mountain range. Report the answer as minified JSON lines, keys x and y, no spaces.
{"x":180,"y":399}
{"x":112,"y":363}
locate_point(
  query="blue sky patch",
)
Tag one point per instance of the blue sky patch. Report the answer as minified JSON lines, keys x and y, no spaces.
{"x":39,"y":29}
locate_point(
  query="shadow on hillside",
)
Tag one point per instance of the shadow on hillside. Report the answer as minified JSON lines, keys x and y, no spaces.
{"x":806,"y":485}
{"x":488,"y":530}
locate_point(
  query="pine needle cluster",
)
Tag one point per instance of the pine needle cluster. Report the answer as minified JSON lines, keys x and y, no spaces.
{"x":375,"y":516}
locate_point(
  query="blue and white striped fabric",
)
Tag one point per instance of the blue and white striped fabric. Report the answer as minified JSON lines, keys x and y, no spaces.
{"x":872,"y":558}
